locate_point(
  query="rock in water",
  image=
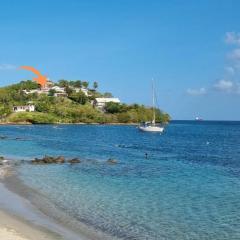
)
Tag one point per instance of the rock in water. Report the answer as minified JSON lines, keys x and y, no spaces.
{"x":74,"y":160}
{"x":48,"y":160}
{"x":60,"y":159}
{"x":112,"y":161}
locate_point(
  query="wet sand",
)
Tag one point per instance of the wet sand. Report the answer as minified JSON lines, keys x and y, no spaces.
{"x":14,"y":228}
{"x":20,"y":220}
{"x":26,"y":215}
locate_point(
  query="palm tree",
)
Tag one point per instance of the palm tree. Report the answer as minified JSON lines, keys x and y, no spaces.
{"x":95,"y":85}
{"x":85,"y":84}
{"x":78,"y":84}
{"x":63,"y":83}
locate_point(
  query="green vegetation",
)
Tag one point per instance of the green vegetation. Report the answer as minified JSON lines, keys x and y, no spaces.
{"x":76,"y":108}
{"x":78,"y":97}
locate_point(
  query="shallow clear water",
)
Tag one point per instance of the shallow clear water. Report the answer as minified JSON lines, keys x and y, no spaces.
{"x":187,"y":188}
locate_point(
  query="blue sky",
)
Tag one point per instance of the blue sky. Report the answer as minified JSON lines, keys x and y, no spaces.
{"x":190,"y":48}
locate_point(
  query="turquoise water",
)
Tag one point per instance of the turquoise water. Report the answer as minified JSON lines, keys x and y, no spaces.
{"x":187,"y":188}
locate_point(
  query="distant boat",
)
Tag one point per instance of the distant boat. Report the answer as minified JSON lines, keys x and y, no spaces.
{"x":151,"y":126}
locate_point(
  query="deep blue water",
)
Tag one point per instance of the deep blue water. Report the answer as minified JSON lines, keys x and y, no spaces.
{"x":187,"y":188}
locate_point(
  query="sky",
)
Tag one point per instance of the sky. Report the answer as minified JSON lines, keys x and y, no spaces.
{"x":190,"y":48}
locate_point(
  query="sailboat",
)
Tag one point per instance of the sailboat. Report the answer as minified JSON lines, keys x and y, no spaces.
{"x":151,"y":126}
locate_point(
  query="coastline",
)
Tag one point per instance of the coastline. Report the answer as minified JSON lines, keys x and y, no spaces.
{"x":12,"y":225}
{"x":30,"y":214}
{"x":57,"y":123}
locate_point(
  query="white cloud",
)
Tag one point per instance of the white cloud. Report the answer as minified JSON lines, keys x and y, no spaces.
{"x":231,"y":82}
{"x":230,"y":70}
{"x":232,"y":38}
{"x":235,"y":54}
{"x":6,"y":66}
{"x":224,"y":85}
{"x":227,"y":86}
{"x":196,"y":92}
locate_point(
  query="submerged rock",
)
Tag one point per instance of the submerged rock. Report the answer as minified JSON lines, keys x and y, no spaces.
{"x":60,"y":159}
{"x":3,"y":137}
{"x":112,"y":161}
{"x":48,"y":160}
{"x":1,"y":160}
{"x":74,"y":160}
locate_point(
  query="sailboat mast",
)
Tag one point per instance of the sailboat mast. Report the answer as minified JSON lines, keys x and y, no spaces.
{"x":153,"y":102}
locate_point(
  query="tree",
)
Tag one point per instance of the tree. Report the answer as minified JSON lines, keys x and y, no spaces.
{"x":71,"y":83}
{"x":85,"y":84}
{"x":79,"y":97}
{"x":95,"y":85}
{"x":78,"y":84}
{"x":68,"y":90}
{"x":29,"y":85}
{"x":63,"y":83}
{"x":107,"y":95}
{"x":51,"y":92}
{"x":123,"y":117}
{"x":112,"y":107}
{"x":4,"y":110}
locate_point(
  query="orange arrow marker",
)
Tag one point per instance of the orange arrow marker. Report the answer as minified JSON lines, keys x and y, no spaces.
{"x":42,"y":80}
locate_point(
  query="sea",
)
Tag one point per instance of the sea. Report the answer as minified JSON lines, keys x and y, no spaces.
{"x":182,"y":184}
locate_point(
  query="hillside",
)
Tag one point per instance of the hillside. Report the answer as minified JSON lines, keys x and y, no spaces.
{"x":68,"y":102}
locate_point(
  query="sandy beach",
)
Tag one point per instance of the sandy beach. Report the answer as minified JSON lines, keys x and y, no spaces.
{"x":13,"y":228}
{"x":21,"y":220}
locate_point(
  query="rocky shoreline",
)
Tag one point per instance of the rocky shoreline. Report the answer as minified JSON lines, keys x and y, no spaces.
{"x":56,"y":160}
{"x":6,"y":163}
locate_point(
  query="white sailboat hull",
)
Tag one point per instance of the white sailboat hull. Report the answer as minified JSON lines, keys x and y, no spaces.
{"x":151,"y":129}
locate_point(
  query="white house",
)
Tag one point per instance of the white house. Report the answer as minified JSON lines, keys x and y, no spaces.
{"x":31,"y":91}
{"x":58,"y":89}
{"x":101,"y":102}
{"x":25,"y":108}
{"x":83,"y":89}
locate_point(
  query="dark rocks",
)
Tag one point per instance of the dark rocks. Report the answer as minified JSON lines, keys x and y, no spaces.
{"x":54,"y":160}
{"x":112,"y":161}
{"x":74,"y":160}
{"x":60,"y":159}
{"x":1,"y":160}
{"x":48,"y":160}
{"x":3,"y":137}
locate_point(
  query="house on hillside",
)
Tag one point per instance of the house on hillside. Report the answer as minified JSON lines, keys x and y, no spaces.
{"x":24,"y":108}
{"x":49,"y":84}
{"x":101,"y":102}
{"x":58,"y":91}
{"x":83,"y":89}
